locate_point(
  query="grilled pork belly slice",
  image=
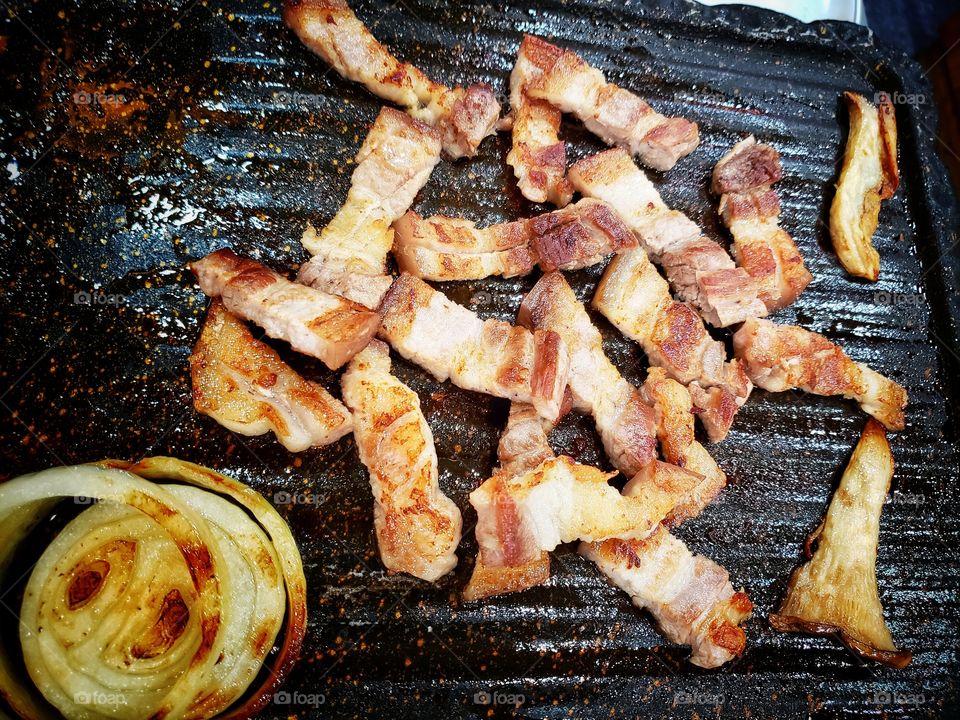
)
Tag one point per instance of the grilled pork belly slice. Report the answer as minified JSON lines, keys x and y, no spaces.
{"x":636,"y":299}
{"x":617,"y":116}
{"x":784,"y":357}
{"x":835,"y":591}
{"x":488,"y":356}
{"x":520,"y":517}
{"x":673,"y":412}
{"x":538,"y":156}
{"x":690,"y":597}
{"x":350,"y":253}
{"x":750,"y":209}
{"x":523,"y":446}
{"x":315,"y":323}
{"x":699,"y":270}
{"x":624,"y":421}
{"x":574,"y":237}
{"x":463,"y":116}
{"x":869,"y":175}
{"x":418,"y":527}
{"x":243,"y":384}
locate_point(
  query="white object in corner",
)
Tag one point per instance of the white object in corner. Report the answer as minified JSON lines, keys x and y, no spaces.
{"x":808,"y":10}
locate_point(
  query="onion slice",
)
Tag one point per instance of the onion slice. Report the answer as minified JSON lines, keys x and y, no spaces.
{"x":161,"y":600}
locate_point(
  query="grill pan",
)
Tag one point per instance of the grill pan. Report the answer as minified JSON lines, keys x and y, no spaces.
{"x":138,"y":136}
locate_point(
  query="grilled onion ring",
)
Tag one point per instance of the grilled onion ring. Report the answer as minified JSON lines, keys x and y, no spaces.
{"x":162,"y":600}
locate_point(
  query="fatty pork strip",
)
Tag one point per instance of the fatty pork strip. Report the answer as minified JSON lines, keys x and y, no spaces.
{"x":784,"y":357}
{"x":315,"y":323}
{"x":674,"y":413}
{"x":751,"y":211}
{"x":690,"y":596}
{"x":700,"y":271}
{"x":617,"y":116}
{"x":418,"y":527}
{"x":521,"y":516}
{"x":488,"y":356}
{"x":538,"y":156}
{"x":523,"y":446}
{"x":243,"y":384}
{"x":636,"y":299}
{"x":464,"y":116}
{"x":350,"y":253}
{"x":574,"y":237}
{"x":626,"y":424}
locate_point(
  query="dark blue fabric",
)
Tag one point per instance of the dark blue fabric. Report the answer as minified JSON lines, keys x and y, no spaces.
{"x":912,"y":25}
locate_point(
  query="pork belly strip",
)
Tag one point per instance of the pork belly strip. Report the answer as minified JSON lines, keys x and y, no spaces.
{"x":785,"y":357}
{"x":538,"y":156}
{"x":635,"y":298}
{"x":673,"y":413}
{"x":350,"y":253}
{"x":699,"y":270}
{"x":243,"y":384}
{"x":488,"y":356}
{"x":463,"y":116}
{"x":315,"y":323}
{"x":624,"y":421}
{"x":418,"y":527}
{"x":574,"y":237}
{"x":523,"y":446}
{"x":750,"y":209}
{"x":521,"y":516}
{"x":614,"y":114}
{"x":690,"y":597}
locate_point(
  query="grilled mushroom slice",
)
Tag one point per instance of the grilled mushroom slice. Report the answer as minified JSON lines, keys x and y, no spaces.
{"x":869,"y":175}
{"x":835,"y":592}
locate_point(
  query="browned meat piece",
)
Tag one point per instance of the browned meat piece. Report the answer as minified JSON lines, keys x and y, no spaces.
{"x":329,"y":28}
{"x":418,"y":527}
{"x":538,"y":156}
{"x":700,"y":271}
{"x":784,"y":357}
{"x":574,"y":237}
{"x":315,"y":323}
{"x":350,"y":253}
{"x":689,"y":596}
{"x":624,"y":421}
{"x":635,"y":298}
{"x":491,"y":356}
{"x":751,"y":210}
{"x":244,"y":385}
{"x":617,"y":116}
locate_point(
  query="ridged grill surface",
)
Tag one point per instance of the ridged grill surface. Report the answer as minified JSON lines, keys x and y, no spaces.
{"x":241,"y":136}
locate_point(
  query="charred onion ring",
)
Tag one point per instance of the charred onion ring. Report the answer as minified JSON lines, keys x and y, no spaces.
{"x":162,"y":600}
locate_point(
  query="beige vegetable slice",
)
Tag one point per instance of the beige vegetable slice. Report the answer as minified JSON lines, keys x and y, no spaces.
{"x":158,"y":601}
{"x":835,"y":592}
{"x":869,"y":175}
